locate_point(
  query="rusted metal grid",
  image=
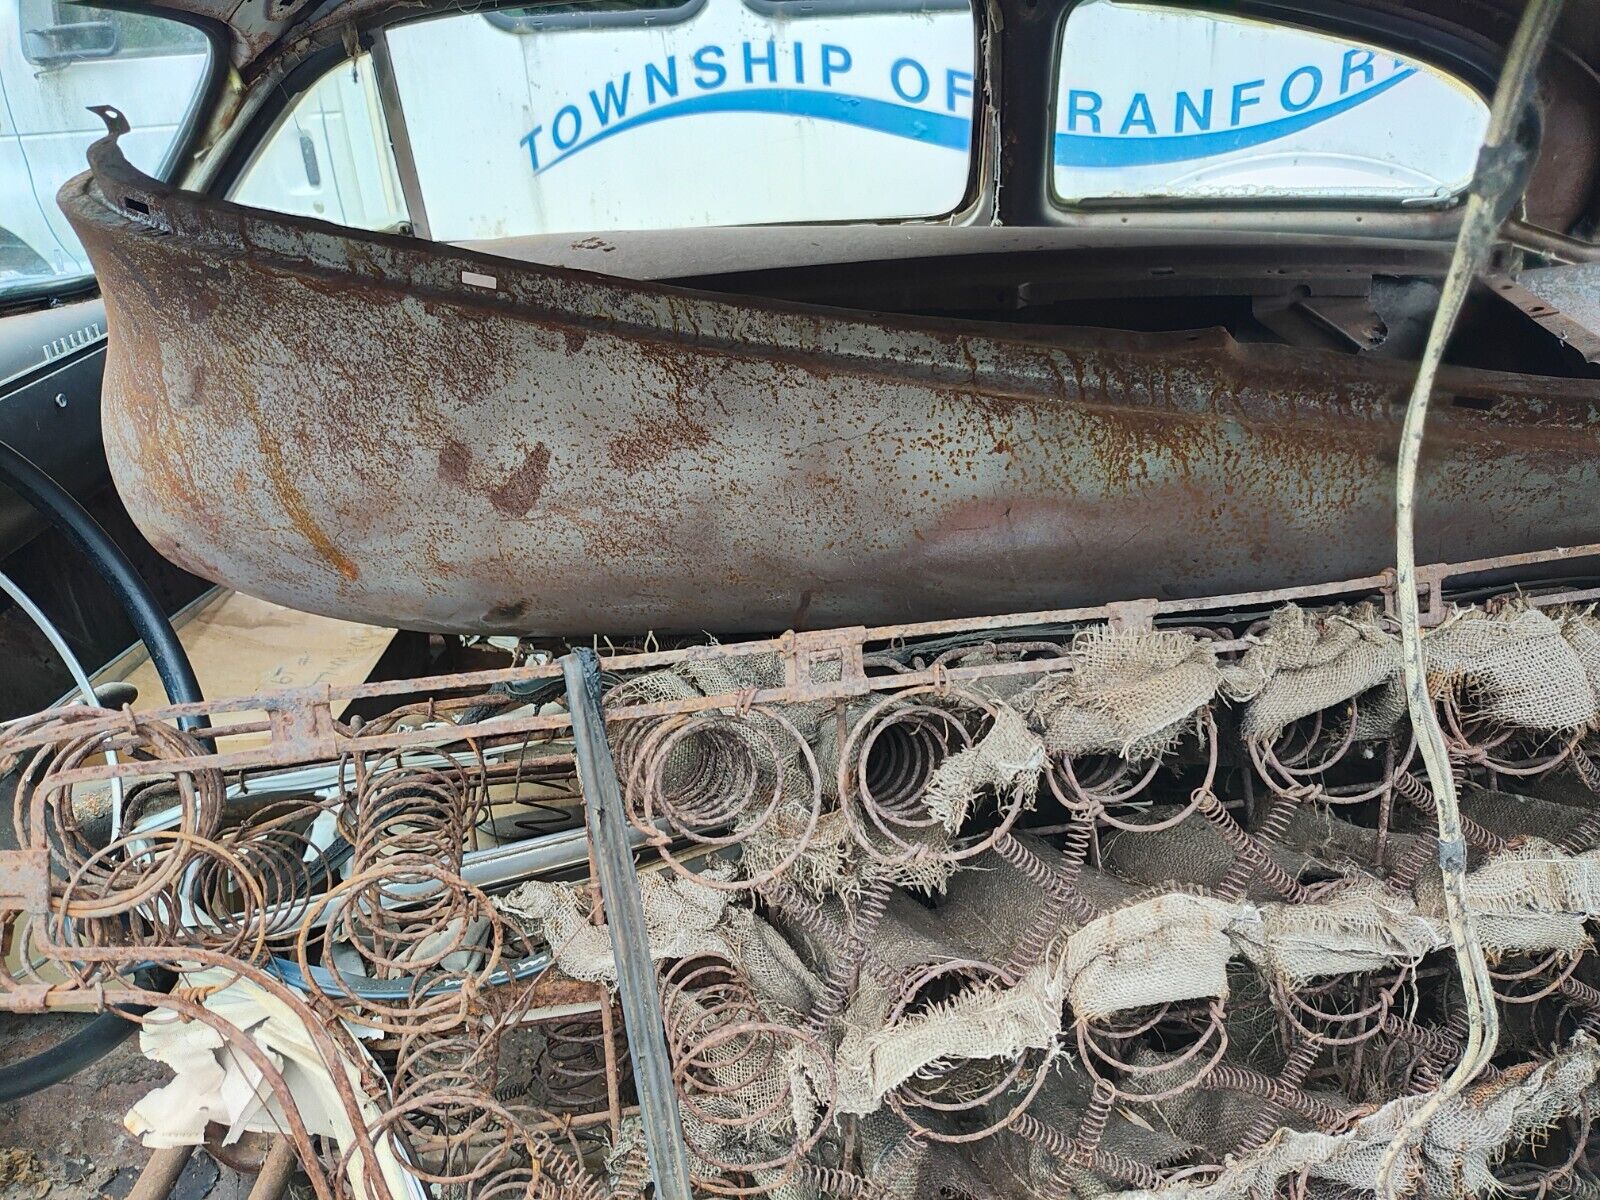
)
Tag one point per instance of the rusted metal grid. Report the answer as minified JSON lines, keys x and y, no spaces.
{"x":858,"y":847}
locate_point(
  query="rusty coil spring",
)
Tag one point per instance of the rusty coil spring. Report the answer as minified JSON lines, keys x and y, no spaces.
{"x":1208,"y":1044}
{"x":718,"y":780}
{"x":929,"y":1100}
{"x":737,"y":1073}
{"x":1098,"y":1159}
{"x":1060,"y":897}
{"x":573,"y":1064}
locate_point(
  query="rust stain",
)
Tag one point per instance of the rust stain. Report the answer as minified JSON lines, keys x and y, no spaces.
{"x":798,"y":621}
{"x":282,"y":479}
{"x":455,"y":458}
{"x":746,"y":464}
{"x":523,"y":487}
{"x":298,"y":512}
{"x":654,"y":438}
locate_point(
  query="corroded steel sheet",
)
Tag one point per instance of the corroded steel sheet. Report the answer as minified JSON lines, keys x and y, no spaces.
{"x":408,"y":434}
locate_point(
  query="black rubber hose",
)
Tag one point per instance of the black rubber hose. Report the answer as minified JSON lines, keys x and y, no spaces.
{"x":149,"y":620}
{"x":88,"y":1045}
{"x":144,"y":611}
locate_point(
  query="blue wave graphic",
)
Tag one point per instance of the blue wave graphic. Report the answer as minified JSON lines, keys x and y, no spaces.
{"x":955,"y":133}
{"x":1100,"y":150}
{"x":864,"y":112}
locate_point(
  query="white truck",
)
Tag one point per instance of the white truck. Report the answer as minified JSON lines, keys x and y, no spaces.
{"x":585,"y":117}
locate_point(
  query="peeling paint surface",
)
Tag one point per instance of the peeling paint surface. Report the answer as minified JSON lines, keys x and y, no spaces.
{"x":332,"y":420}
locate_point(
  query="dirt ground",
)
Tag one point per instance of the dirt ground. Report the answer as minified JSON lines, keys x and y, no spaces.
{"x":67,"y":1142}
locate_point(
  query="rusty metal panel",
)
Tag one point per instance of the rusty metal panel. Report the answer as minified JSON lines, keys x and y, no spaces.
{"x":412,"y":435}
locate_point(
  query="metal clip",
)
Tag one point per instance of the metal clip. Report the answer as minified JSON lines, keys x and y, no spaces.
{"x":806,"y":652}
{"x":1430,"y":595}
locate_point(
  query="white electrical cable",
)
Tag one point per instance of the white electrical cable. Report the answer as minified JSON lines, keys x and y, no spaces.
{"x":79,"y":678}
{"x":1497,"y":185}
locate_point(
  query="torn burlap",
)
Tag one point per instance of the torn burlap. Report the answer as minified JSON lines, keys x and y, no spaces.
{"x":1132,"y":693}
{"x":1005,"y":762}
{"x":1512,"y":665}
{"x":1308,"y":662}
{"x":1454,"y":1158}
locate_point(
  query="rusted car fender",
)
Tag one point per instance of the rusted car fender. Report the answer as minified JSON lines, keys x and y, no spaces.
{"x":400,"y":432}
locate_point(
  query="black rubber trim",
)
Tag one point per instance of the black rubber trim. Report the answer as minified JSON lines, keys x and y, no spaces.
{"x":149,"y":619}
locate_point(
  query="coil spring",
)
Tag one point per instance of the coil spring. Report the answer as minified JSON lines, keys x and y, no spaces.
{"x":572,"y":1067}
{"x":837,"y":985}
{"x":1235,"y":1078}
{"x":965,"y":1085}
{"x":1581,"y":994}
{"x":1092,"y":1129}
{"x":563,"y":1175}
{"x":1206,"y":1050}
{"x":284,"y":865}
{"x":631,"y":1174}
{"x":1421,"y":795}
{"x":458,"y":1061}
{"x":1300,"y":1061}
{"x":833,"y":1182}
{"x":717,"y":780}
{"x":129,"y":871}
{"x":1236,"y":880}
{"x":457,"y":1135}
{"x":409,"y":812}
{"x":733,"y":1069}
{"x":900,"y":756}
{"x":1104,"y":1162}
{"x":842,"y":941}
{"x":1060,"y":897}
{"x":1435,"y":1045}
{"x":1250,"y":852}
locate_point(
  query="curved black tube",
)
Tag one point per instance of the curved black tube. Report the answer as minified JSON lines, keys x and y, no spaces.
{"x":149,"y":620}
{"x":167,"y":655}
{"x":86,"y":1046}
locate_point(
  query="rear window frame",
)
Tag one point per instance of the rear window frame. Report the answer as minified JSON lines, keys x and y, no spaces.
{"x":519,"y":23}
{"x":303,"y":74}
{"x":1340,"y":20}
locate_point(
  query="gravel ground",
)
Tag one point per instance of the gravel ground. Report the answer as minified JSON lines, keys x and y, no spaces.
{"x":67,"y":1142}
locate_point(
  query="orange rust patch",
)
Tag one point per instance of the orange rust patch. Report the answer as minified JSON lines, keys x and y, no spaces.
{"x":282,"y":480}
{"x":653,"y":439}
{"x":523,"y":487}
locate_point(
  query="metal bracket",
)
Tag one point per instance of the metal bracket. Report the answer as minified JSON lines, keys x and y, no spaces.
{"x":25,"y":881}
{"x":1132,"y":615}
{"x":1432,"y":609}
{"x":303,"y":725}
{"x":630,"y":944}
{"x":805,"y":652}
{"x":1562,"y":300}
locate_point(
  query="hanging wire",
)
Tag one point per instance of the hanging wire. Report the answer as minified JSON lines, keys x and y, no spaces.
{"x":80,"y":679}
{"x":1504,"y":162}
